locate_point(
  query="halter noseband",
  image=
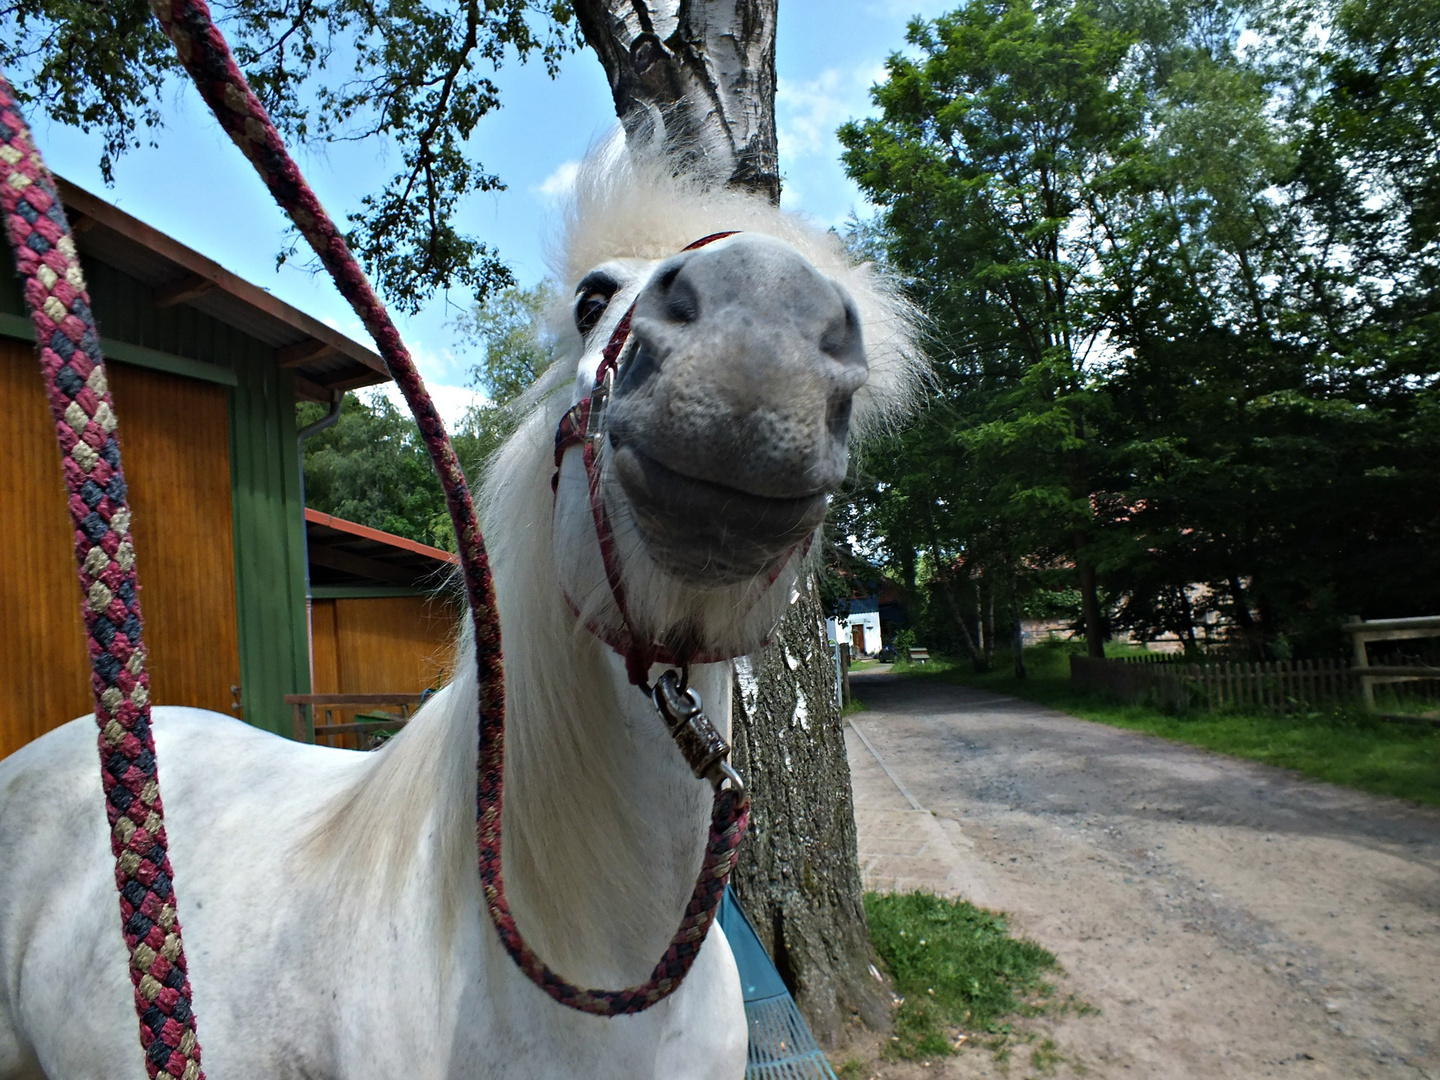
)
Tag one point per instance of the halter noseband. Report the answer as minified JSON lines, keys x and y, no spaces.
{"x":583,"y":425}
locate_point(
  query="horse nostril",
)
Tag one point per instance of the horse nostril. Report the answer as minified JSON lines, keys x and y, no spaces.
{"x":634,"y":372}
{"x":682,"y":303}
{"x":841,"y":339}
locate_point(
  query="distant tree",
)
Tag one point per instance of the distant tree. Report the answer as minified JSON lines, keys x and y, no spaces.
{"x":989,"y":147}
{"x":512,"y":327}
{"x":1189,"y":339}
{"x":371,"y":467}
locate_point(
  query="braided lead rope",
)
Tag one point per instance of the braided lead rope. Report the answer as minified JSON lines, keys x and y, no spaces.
{"x":69,"y":346}
{"x":207,"y":58}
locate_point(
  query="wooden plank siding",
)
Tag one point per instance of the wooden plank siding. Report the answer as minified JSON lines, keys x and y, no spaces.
{"x":256,"y":436}
{"x":43,"y":663}
{"x":176,"y":441}
{"x":380,"y":645}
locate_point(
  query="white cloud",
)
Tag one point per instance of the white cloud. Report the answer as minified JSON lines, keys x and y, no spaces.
{"x":558,"y":184}
{"x":809,"y":111}
{"x":450,"y":400}
{"x":908,"y":9}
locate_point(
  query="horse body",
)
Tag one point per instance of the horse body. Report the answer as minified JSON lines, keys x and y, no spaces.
{"x":305,"y":973}
{"x":330,"y":901}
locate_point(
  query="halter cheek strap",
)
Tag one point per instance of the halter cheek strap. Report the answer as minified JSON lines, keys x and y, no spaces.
{"x":583,"y":426}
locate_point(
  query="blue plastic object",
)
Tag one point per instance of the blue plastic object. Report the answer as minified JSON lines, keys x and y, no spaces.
{"x":781,"y":1044}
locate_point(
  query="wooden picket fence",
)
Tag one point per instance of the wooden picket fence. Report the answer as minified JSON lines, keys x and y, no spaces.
{"x":1269,"y":686}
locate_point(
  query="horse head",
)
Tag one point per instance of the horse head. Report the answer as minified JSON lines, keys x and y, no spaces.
{"x":720,"y":357}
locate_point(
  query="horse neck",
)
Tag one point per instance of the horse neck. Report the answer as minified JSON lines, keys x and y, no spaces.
{"x":604,"y":825}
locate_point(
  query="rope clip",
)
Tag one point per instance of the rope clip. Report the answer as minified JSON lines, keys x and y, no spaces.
{"x":599,"y":398}
{"x":703,"y":748}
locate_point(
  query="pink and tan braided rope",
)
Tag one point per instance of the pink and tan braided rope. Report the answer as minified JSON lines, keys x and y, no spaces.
{"x":85,"y":426}
{"x":84,"y":415}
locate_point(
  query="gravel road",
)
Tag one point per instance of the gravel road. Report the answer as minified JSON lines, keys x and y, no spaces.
{"x":1227,"y":918}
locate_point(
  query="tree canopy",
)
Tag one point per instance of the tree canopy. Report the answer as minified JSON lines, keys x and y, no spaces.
{"x":1182,"y":267}
{"x":412,"y":73}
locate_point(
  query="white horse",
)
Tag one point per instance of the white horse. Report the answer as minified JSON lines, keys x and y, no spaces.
{"x":330,"y":901}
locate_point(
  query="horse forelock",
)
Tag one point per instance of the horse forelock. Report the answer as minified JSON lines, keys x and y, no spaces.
{"x":631,"y":205}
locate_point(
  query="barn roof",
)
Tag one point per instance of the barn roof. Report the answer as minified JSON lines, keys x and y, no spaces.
{"x":345,"y":553}
{"x":323,"y":360}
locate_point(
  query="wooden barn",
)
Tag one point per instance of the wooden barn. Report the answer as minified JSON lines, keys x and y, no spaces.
{"x":384,"y":610}
{"x":205,"y":370}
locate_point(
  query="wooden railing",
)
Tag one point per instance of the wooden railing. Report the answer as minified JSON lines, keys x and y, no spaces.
{"x":1269,"y":686}
{"x":1364,"y":633}
{"x":367,"y":704}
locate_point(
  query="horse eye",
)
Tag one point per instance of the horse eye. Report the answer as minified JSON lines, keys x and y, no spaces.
{"x":592,"y":297}
{"x":588,"y":310}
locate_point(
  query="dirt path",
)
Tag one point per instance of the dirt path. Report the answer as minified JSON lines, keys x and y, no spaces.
{"x":1229,"y":919}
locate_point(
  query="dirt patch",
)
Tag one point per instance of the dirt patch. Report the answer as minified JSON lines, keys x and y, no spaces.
{"x":1227,"y":919}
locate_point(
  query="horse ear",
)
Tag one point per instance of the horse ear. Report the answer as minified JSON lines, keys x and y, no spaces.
{"x":696,"y":79}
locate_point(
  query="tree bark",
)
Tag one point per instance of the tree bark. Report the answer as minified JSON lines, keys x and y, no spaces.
{"x":700,"y":74}
{"x":1090,"y":604}
{"x":977,"y":658}
{"x":1016,"y":616}
{"x":798,"y":876}
{"x":988,"y":620}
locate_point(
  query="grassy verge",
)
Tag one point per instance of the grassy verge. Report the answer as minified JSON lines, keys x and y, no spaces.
{"x":1342,"y":746}
{"x":957,"y":969}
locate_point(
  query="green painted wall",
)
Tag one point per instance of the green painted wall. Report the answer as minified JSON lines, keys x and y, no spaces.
{"x":264,"y":468}
{"x":269,"y":538}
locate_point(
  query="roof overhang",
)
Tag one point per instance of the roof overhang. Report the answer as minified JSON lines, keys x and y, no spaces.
{"x":323,"y":360}
{"x":344,"y":553}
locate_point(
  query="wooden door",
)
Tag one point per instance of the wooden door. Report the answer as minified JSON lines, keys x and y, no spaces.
{"x":857,"y":638}
{"x":175,"y":438}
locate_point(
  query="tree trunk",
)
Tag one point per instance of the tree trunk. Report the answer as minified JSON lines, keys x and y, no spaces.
{"x":700,"y":75}
{"x":705,"y":70}
{"x":1249,"y":631}
{"x":988,"y":621}
{"x":1015,"y":615}
{"x":977,"y":658}
{"x":1090,"y":604}
{"x":798,"y":876}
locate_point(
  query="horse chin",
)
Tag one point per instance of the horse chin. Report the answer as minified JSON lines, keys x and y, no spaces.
{"x":709,"y":535}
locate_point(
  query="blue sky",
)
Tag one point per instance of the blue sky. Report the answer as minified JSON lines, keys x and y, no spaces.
{"x":195,"y":185}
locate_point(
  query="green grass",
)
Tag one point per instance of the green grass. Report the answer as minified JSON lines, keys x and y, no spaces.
{"x":956,"y":966}
{"x":1341,"y":745}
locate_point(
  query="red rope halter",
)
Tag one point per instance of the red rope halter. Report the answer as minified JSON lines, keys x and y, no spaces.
{"x":84,"y":418}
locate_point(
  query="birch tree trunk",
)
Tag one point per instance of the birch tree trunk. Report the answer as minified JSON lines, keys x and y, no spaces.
{"x":798,"y":875}
{"x":700,"y":76}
